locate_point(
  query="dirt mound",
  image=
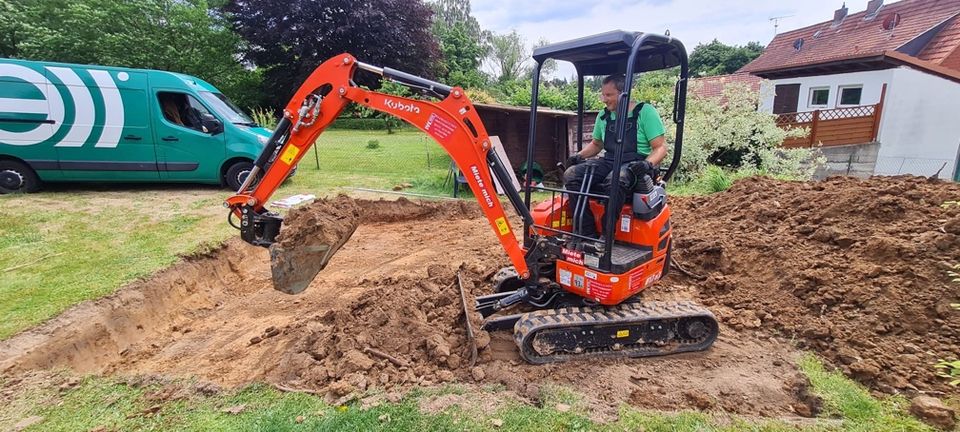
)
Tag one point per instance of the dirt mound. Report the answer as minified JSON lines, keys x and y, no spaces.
{"x":854,"y":269}
{"x":384,"y":314}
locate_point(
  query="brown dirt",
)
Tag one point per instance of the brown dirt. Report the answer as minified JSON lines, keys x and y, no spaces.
{"x":853,"y":269}
{"x":385,"y":312}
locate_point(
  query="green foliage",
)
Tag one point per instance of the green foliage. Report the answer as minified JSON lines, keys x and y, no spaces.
{"x":715,"y":127}
{"x":479,"y":96}
{"x":460,"y":65}
{"x":448,"y":13}
{"x":508,"y":53}
{"x":264,"y":117}
{"x":717,"y":58}
{"x":373,"y":144}
{"x":717,"y":179}
{"x":189,"y":36}
{"x":390,"y":123}
{"x":949,"y":369}
{"x":290,"y":38}
{"x":11,"y":27}
{"x":561,"y":95}
{"x":463,"y":44}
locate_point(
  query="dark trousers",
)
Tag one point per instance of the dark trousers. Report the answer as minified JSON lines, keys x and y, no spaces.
{"x":600,"y":180}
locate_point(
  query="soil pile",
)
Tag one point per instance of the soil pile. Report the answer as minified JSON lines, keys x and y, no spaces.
{"x":854,"y":269}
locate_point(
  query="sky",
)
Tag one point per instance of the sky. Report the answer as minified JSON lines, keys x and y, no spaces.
{"x":691,"y":21}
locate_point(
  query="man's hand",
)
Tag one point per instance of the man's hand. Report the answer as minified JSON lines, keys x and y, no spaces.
{"x":643,"y":167}
{"x":574,"y":159}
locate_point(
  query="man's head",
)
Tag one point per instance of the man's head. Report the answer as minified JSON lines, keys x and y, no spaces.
{"x":610,"y":91}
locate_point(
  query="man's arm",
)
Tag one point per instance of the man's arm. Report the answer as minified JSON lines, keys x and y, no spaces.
{"x":591,"y":149}
{"x":658,"y":150}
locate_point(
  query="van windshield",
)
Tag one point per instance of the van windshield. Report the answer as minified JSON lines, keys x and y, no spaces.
{"x":227,"y":109}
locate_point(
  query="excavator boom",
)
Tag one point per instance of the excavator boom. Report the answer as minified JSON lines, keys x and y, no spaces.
{"x":453,"y":122}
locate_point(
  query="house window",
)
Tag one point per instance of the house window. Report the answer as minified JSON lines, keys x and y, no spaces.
{"x":850,"y":95}
{"x":819,"y":96}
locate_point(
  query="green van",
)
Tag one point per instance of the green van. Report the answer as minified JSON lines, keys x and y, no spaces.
{"x":66,"y":122}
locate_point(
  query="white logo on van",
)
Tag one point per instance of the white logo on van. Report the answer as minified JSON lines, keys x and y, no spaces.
{"x":53,"y":106}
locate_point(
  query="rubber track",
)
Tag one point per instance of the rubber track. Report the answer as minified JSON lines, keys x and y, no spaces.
{"x":625,"y":314}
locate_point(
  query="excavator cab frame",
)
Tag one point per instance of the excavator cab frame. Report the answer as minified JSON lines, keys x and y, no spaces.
{"x":627,"y":53}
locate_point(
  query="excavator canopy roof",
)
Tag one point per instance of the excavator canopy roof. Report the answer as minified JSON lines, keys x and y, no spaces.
{"x":608,"y":53}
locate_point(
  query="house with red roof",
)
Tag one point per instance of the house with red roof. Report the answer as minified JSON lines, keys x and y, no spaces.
{"x":885,"y":80}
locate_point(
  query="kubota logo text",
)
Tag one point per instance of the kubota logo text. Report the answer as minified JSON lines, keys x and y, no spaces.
{"x":400,"y":106}
{"x":39,"y":102}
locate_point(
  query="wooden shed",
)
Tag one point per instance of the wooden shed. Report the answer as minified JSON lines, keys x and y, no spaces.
{"x":556,"y":131}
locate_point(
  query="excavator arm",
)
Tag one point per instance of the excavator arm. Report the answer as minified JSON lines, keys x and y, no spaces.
{"x":453,"y":122}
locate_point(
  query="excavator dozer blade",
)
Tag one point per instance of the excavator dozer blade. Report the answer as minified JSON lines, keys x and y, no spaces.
{"x":313,"y":235}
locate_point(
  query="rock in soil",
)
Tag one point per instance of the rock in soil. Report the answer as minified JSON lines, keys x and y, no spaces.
{"x":933,"y":412}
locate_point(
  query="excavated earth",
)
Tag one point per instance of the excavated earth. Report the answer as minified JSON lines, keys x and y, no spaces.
{"x":854,"y":270}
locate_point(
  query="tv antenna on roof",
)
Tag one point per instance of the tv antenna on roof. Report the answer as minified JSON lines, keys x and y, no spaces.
{"x":776,"y":22}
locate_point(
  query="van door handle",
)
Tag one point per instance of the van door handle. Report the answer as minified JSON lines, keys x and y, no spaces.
{"x":170,"y":138}
{"x":133,"y":137}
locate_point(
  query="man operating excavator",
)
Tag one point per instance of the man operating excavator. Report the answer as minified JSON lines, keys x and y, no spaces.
{"x":643,"y":148}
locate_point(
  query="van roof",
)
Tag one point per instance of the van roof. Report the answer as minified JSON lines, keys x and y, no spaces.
{"x":189,"y":80}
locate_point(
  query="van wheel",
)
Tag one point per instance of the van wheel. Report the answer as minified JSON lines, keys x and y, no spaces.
{"x":237,"y":174}
{"x":16,"y":177}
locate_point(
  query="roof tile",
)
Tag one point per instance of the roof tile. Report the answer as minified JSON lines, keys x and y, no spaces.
{"x":712,"y":86}
{"x":857,"y":36}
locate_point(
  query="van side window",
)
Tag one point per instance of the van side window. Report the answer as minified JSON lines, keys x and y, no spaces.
{"x":182,"y":109}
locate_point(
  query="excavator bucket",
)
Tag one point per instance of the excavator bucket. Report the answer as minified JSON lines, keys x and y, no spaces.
{"x":313,"y":234}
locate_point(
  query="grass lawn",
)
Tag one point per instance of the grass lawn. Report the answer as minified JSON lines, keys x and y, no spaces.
{"x":115,"y":405}
{"x":76,"y":242}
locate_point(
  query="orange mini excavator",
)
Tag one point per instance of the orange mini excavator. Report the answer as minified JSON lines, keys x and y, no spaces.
{"x":567,"y":295}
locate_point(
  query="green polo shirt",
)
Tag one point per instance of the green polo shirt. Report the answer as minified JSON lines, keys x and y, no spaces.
{"x":649,"y":126}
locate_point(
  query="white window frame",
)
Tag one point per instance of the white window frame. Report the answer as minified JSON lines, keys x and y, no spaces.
{"x":810,"y":103}
{"x":840,"y":90}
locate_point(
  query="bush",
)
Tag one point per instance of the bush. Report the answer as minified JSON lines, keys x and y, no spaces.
{"x":264,"y":117}
{"x":373,"y":144}
{"x":479,"y":96}
{"x":717,"y":179}
{"x":734,"y":125}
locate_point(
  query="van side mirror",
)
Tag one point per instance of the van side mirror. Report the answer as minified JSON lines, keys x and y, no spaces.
{"x":210,"y":124}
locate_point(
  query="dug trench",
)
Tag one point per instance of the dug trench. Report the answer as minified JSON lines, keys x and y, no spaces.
{"x":854,"y":270}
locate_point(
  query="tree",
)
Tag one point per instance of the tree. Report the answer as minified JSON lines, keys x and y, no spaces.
{"x":548,"y":67}
{"x":461,"y":57}
{"x":508,"y":53}
{"x":290,"y":38}
{"x":462,"y":43}
{"x":447,"y":13}
{"x":11,"y":28}
{"x":717,"y":58}
{"x":188,"y":36}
